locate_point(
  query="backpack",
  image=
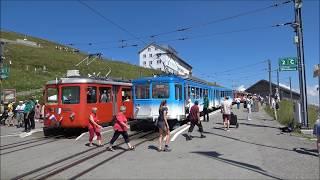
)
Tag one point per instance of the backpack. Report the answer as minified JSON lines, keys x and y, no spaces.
{"x":277,"y":105}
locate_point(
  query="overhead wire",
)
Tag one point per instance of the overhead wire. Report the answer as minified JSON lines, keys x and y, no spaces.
{"x":176,"y":30}
{"x":110,"y":21}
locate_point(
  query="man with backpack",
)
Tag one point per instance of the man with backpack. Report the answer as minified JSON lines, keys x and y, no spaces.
{"x":205,"y":108}
{"x":194,"y":117}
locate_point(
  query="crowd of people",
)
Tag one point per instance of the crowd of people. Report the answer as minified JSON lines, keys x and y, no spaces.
{"x":23,"y":115}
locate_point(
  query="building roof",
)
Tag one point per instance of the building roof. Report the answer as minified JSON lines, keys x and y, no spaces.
{"x":168,"y":49}
{"x":282,"y":88}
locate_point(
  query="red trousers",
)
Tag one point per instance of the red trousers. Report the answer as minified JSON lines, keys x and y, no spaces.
{"x":93,"y":131}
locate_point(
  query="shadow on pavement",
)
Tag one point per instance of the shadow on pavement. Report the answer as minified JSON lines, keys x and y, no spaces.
{"x":153,"y":147}
{"x":236,"y":139}
{"x":250,"y":167}
{"x":258,"y":125}
{"x":311,"y":152}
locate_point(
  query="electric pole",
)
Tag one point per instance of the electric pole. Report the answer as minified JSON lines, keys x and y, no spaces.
{"x":301,"y":62}
{"x":278,"y":84}
{"x":290,"y":89}
{"x":270,"y":86}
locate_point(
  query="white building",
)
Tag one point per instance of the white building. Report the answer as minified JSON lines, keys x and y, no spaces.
{"x":164,"y":58}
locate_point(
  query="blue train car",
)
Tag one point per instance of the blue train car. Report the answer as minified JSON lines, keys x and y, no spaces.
{"x":148,"y":93}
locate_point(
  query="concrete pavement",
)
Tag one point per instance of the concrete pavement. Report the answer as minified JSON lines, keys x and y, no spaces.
{"x":256,"y":150}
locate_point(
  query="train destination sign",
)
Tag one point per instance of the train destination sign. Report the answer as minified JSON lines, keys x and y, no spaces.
{"x":288,"y":64}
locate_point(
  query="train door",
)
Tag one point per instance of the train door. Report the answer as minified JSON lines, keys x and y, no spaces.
{"x":126,"y":100}
{"x":105,"y":105}
{"x":116,"y":102}
{"x":179,"y":100}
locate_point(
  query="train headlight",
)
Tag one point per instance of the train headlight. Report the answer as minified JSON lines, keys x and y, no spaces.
{"x":72,"y":116}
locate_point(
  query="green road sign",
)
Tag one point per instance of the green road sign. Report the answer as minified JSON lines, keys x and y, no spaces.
{"x":288,"y":64}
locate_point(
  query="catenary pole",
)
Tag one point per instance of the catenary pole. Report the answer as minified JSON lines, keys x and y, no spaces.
{"x":290,"y":89}
{"x":270,"y":86}
{"x":278,"y":84}
{"x":301,"y":62}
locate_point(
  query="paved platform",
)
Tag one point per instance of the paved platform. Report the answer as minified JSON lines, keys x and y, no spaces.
{"x":256,"y":150}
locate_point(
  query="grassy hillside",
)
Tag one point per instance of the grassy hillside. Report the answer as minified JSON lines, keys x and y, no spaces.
{"x":57,"y":63}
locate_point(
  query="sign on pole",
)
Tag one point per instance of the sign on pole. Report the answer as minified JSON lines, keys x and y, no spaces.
{"x":288,"y":64}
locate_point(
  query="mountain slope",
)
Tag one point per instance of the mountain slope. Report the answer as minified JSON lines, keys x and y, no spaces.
{"x":26,"y":71}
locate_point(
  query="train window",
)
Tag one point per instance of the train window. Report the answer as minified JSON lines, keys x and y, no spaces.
{"x":105,"y":94}
{"x":192,"y":95}
{"x":126,"y":95}
{"x":70,"y":95}
{"x":197,"y":93}
{"x":178,"y":91}
{"x":52,"y":95}
{"x":142,"y":91}
{"x":160,"y":91}
{"x":91,"y":94}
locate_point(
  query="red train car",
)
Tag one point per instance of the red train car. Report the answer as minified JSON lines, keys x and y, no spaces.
{"x":68,"y":102}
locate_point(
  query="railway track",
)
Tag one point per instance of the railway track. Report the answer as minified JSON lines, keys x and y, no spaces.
{"x":65,"y":165}
{"x":23,"y":145}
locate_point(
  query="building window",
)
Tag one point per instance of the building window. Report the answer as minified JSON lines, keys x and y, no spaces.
{"x":155,"y":48}
{"x":159,"y":61}
{"x":150,"y":62}
{"x":144,"y":62}
{"x":150,"y":55}
{"x":144,"y":56}
{"x":149,"y":49}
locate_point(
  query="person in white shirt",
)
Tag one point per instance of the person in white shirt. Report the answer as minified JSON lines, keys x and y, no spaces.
{"x":226,"y":107}
{"x":249,"y":105}
{"x":20,"y":115}
{"x":274,"y":108}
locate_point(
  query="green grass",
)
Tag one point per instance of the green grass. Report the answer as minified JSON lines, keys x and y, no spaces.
{"x":57,"y":63}
{"x":286,"y":114}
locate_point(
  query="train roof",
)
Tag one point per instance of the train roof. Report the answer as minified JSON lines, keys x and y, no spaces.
{"x":83,"y":80}
{"x":166,"y":78}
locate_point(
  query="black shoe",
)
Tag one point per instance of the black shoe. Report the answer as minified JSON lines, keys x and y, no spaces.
{"x":189,"y":138}
{"x":166,"y":149}
{"x":202,"y":136}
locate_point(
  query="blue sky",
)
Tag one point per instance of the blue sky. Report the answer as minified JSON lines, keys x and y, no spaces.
{"x":71,"y":22}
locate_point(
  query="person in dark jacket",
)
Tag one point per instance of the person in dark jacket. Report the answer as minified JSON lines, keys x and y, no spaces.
{"x":194,"y":117}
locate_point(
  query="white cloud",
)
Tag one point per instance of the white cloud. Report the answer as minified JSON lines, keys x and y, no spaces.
{"x":241,"y":88}
{"x":313,"y":94}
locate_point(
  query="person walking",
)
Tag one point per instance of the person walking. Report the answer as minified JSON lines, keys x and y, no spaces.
{"x":249,"y":106}
{"x":120,"y":127}
{"x":20,"y":115}
{"x":238,"y":102}
{"x":195,"y":120}
{"x":274,"y":108}
{"x":32,"y":113}
{"x":205,"y":108}
{"x":10,"y":114}
{"x":162,"y":124}
{"x":37,"y":111}
{"x":226,"y":107}
{"x":94,"y":127}
{"x":316,"y":132}
{"x":27,"y":115}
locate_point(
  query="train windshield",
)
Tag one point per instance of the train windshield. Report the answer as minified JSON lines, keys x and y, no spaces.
{"x":160,"y":91}
{"x":52,"y":95}
{"x":70,"y":95}
{"x":142,"y":91}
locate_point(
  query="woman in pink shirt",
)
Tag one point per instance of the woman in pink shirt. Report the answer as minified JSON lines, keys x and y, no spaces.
{"x":121,"y":127}
{"x":94,"y":127}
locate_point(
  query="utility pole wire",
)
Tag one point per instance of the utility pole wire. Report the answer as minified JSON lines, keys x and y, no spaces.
{"x":182,"y":29}
{"x":110,"y":21}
